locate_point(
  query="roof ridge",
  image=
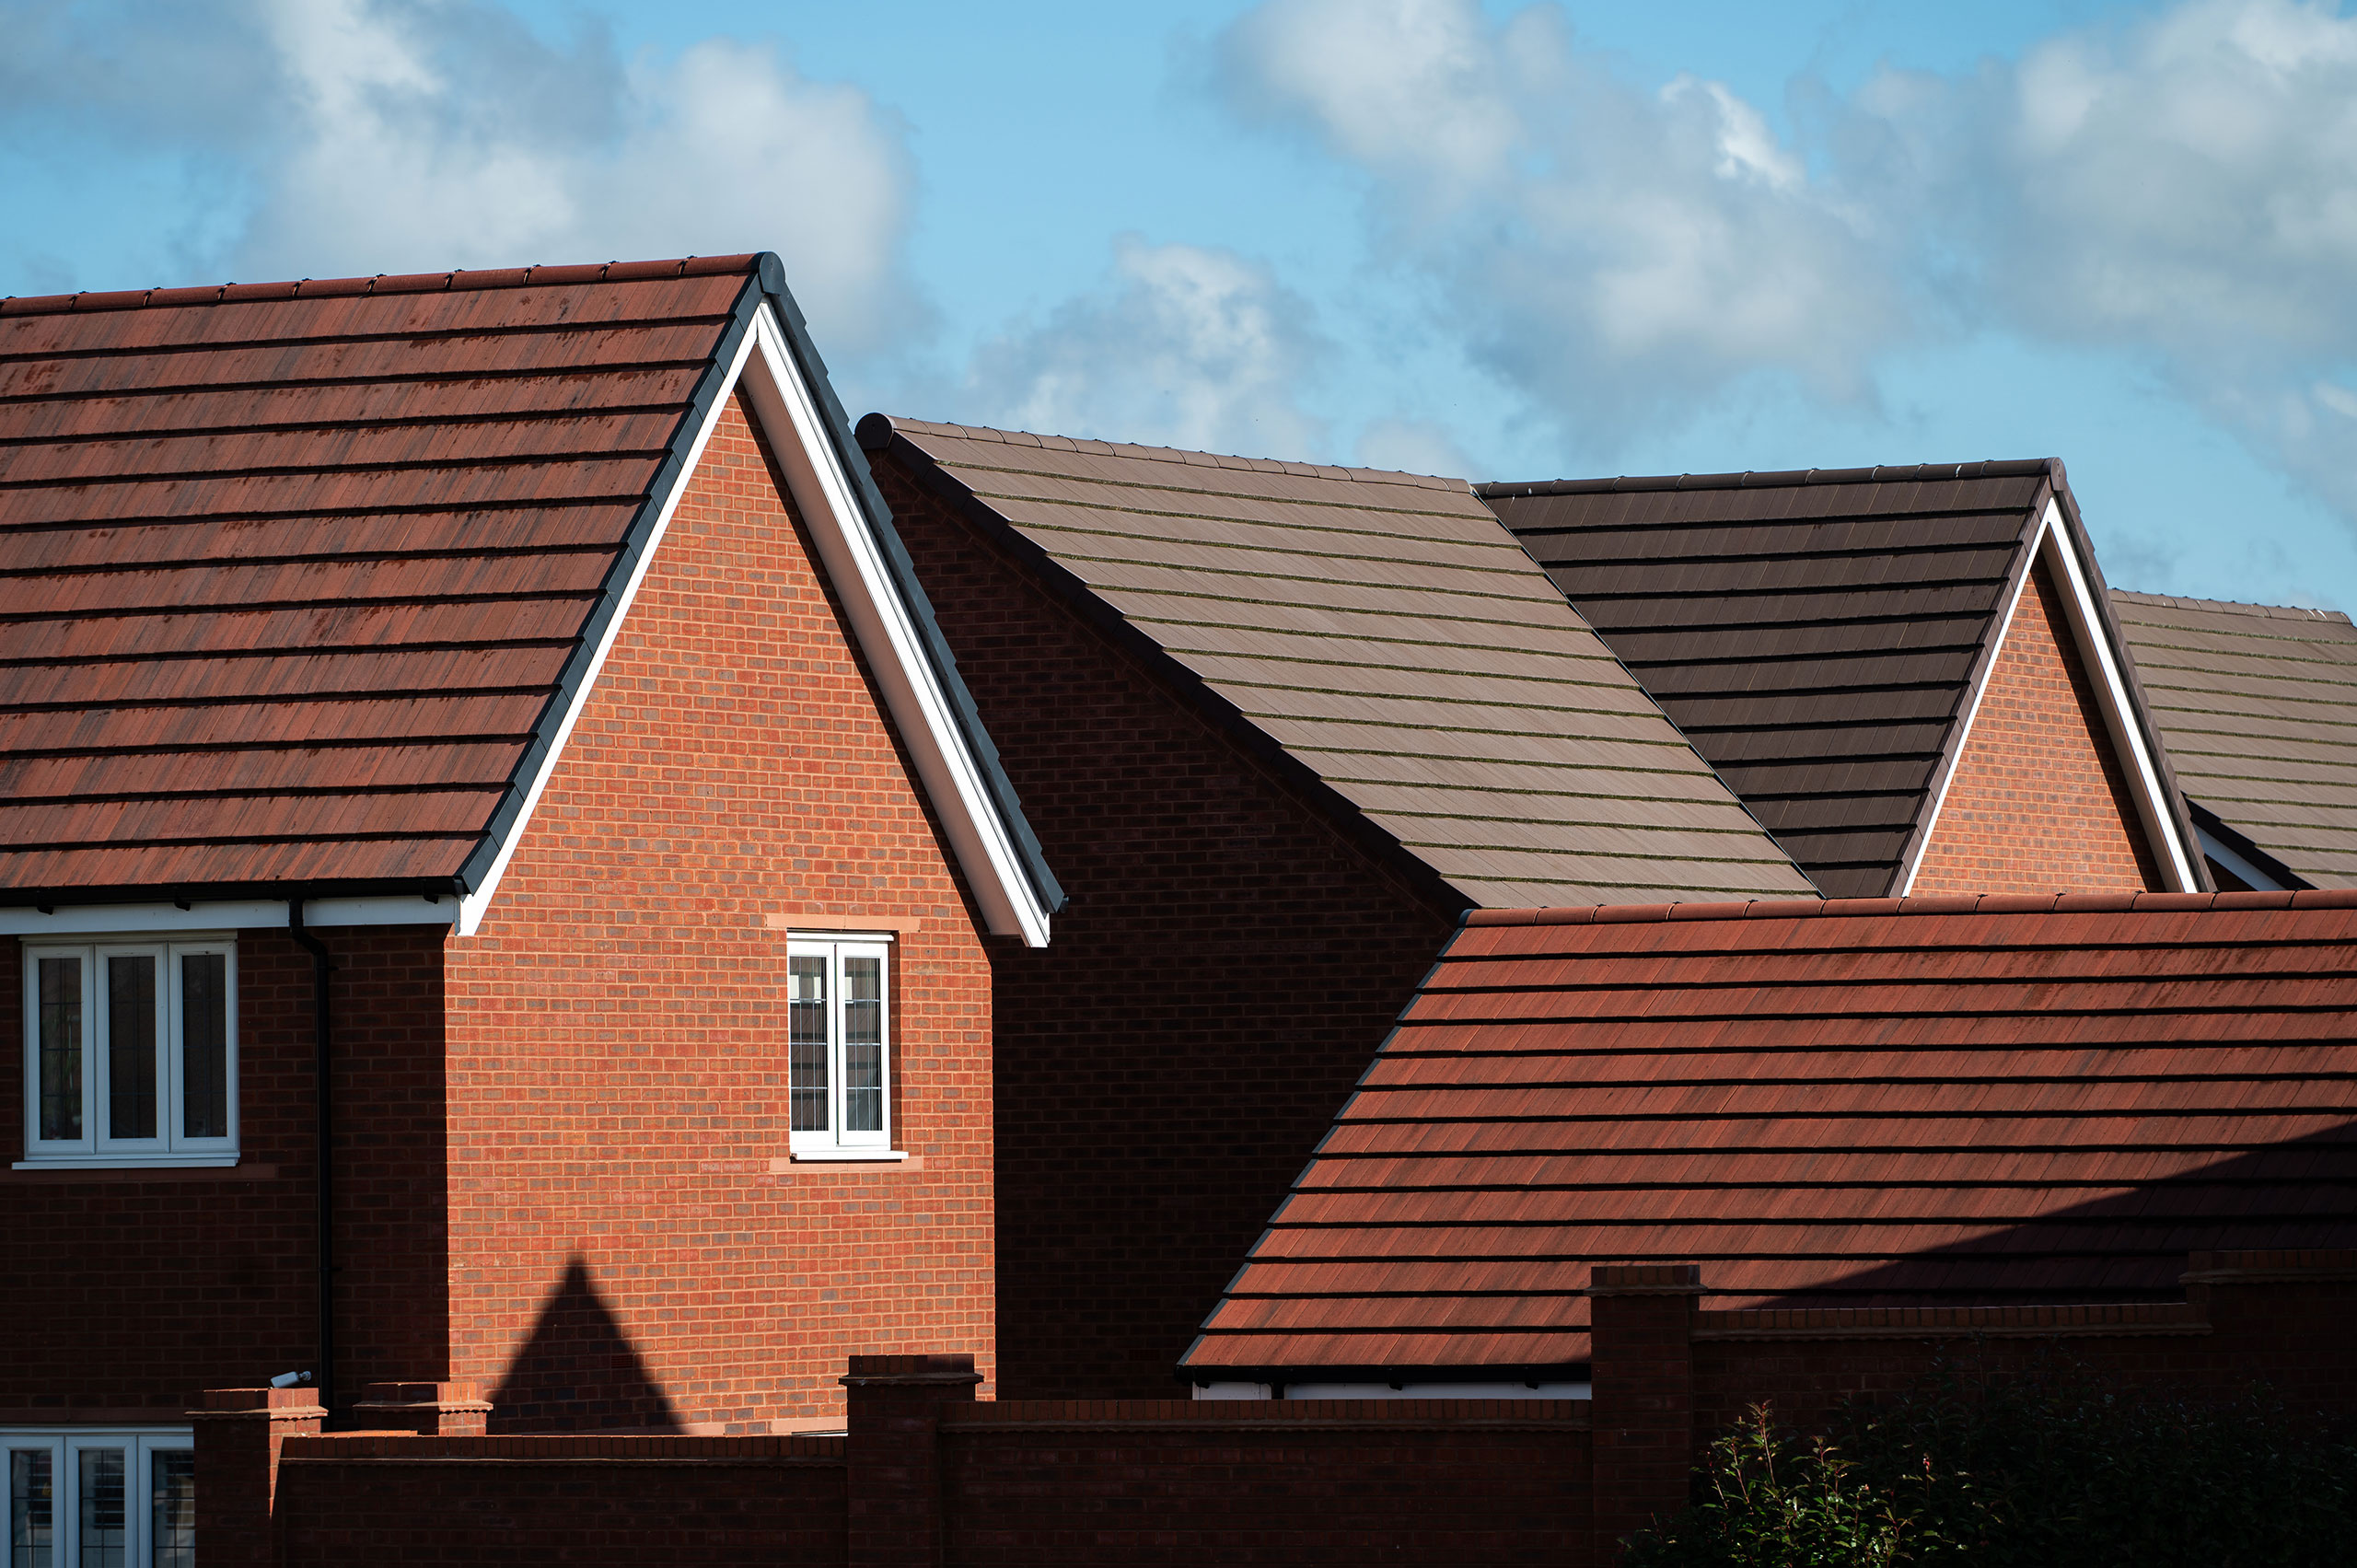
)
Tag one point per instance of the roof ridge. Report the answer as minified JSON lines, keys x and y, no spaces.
{"x":2232,"y":606}
{"x":382,"y":282}
{"x":1967,"y":903}
{"x":1988,"y":468}
{"x":876,"y":433}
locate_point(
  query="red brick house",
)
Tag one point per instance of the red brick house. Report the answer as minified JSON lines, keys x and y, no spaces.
{"x":1292,"y":722}
{"x":498,"y":867}
{"x":1278,"y":725}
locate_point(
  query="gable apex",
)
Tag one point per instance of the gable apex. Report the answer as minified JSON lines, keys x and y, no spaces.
{"x":767,"y":359}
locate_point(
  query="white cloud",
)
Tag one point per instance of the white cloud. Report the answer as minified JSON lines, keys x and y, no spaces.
{"x":415,"y":136}
{"x":2182,"y":187}
{"x":1184,"y":346}
{"x":1617,"y":255}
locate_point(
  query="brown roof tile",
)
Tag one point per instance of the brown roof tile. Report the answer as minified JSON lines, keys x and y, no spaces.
{"x":2258,"y":705}
{"x":1934,"y":1102}
{"x":1385,"y":633}
{"x":293,"y":573}
{"x":1817,"y":636}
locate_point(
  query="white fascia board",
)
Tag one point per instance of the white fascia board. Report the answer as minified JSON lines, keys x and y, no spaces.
{"x":763,"y":370}
{"x":2118,"y":714}
{"x":853,"y":559}
{"x":2053,"y":547}
{"x":225,"y":914}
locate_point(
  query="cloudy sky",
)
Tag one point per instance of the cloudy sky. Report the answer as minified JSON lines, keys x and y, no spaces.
{"x":1500,"y":240}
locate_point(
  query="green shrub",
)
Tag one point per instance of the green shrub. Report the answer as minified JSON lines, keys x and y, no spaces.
{"x":2037,"y":1472}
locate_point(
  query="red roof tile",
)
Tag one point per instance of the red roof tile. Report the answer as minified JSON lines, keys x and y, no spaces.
{"x":1933,"y":1102}
{"x":295,"y":573}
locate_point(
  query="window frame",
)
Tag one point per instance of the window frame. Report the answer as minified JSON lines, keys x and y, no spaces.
{"x":833,"y":1141}
{"x":140,"y":1443}
{"x":171,"y":1146}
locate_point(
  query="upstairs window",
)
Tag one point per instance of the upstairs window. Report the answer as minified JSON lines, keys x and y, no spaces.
{"x":130,"y":1053}
{"x":838,"y":1045}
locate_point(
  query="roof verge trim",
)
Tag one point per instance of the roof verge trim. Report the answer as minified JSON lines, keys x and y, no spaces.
{"x":2064,"y":551}
{"x":930,"y":707}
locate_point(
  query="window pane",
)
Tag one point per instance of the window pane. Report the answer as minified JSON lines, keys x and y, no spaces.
{"x":32,"y":1530}
{"x":60,"y":1048}
{"x":102,"y":1500}
{"x":171,"y":1533}
{"x":806,"y":1018}
{"x":205,"y":1045}
{"x":863,"y":1045}
{"x":130,"y":1045}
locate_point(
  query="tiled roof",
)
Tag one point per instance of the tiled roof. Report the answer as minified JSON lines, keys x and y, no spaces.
{"x":300,"y":576}
{"x":2258,"y":705}
{"x":1385,"y":634}
{"x":1927,"y":1102}
{"x":1818,"y":635}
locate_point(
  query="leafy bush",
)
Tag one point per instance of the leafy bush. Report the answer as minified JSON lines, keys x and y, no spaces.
{"x":2035,"y":1471}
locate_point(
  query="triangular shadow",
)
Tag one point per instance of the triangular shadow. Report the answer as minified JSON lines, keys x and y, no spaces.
{"x":579,"y":1372}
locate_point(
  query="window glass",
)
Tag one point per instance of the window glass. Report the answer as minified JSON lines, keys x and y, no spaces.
{"x":61,"y":1047}
{"x":862,"y":1044}
{"x":806,"y":1042}
{"x":172,"y":1530}
{"x":205,"y":1045}
{"x":102,"y":1524}
{"x":31,"y":1524}
{"x":130,"y":1045}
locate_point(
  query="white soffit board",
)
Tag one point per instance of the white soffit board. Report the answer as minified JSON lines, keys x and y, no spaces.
{"x":2053,"y":547}
{"x":226,"y":915}
{"x":764,"y":371}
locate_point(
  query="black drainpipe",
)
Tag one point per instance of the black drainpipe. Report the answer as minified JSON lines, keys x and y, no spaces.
{"x":321,"y":1035}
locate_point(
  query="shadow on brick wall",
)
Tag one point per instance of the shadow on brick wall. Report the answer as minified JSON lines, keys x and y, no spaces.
{"x":580,"y":1371}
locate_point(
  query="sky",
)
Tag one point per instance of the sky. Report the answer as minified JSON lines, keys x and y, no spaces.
{"x":1496,"y":240}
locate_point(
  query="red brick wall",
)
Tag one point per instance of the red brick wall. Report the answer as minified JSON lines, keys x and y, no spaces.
{"x":775,"y":1502}
{"x":1224,"y":972}
{"x":1446,"y":1482}
{"x":125,"y":1291}
{"x":2289,"y":1335}
{"x":622,"y":1254}
{"x":2038,"y":803}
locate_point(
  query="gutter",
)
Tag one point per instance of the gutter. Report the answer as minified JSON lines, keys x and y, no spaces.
{"x":322,"y":1034}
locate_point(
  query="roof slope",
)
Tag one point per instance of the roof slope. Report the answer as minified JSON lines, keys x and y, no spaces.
{"x":1926,"y":1102}
{"x":1818,"y":635}
{"x":302,"y":576}
{"x":1385,"y":634}
{"x":2259,"y":706}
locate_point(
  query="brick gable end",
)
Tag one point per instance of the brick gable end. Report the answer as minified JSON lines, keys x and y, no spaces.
{"x":2038,"y":803}
{"x":622,"y":1253}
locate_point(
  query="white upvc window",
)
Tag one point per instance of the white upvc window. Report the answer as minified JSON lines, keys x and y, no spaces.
{"x":839,"y":1052}
{"x":130,"y":1051}
{"x":93,"y":1497}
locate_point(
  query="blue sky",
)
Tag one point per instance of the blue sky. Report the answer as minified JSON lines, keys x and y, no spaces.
{"x":1500,"y":241}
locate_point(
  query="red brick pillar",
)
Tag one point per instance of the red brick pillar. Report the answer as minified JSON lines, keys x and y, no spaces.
{"x":237,"y":1435}
{"x":1641,"y":1368}
{"x":430,"y":1410}
{"x":893,"y":1405}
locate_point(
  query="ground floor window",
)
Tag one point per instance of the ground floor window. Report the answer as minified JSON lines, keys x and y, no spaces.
{"x":90,"y":1497}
